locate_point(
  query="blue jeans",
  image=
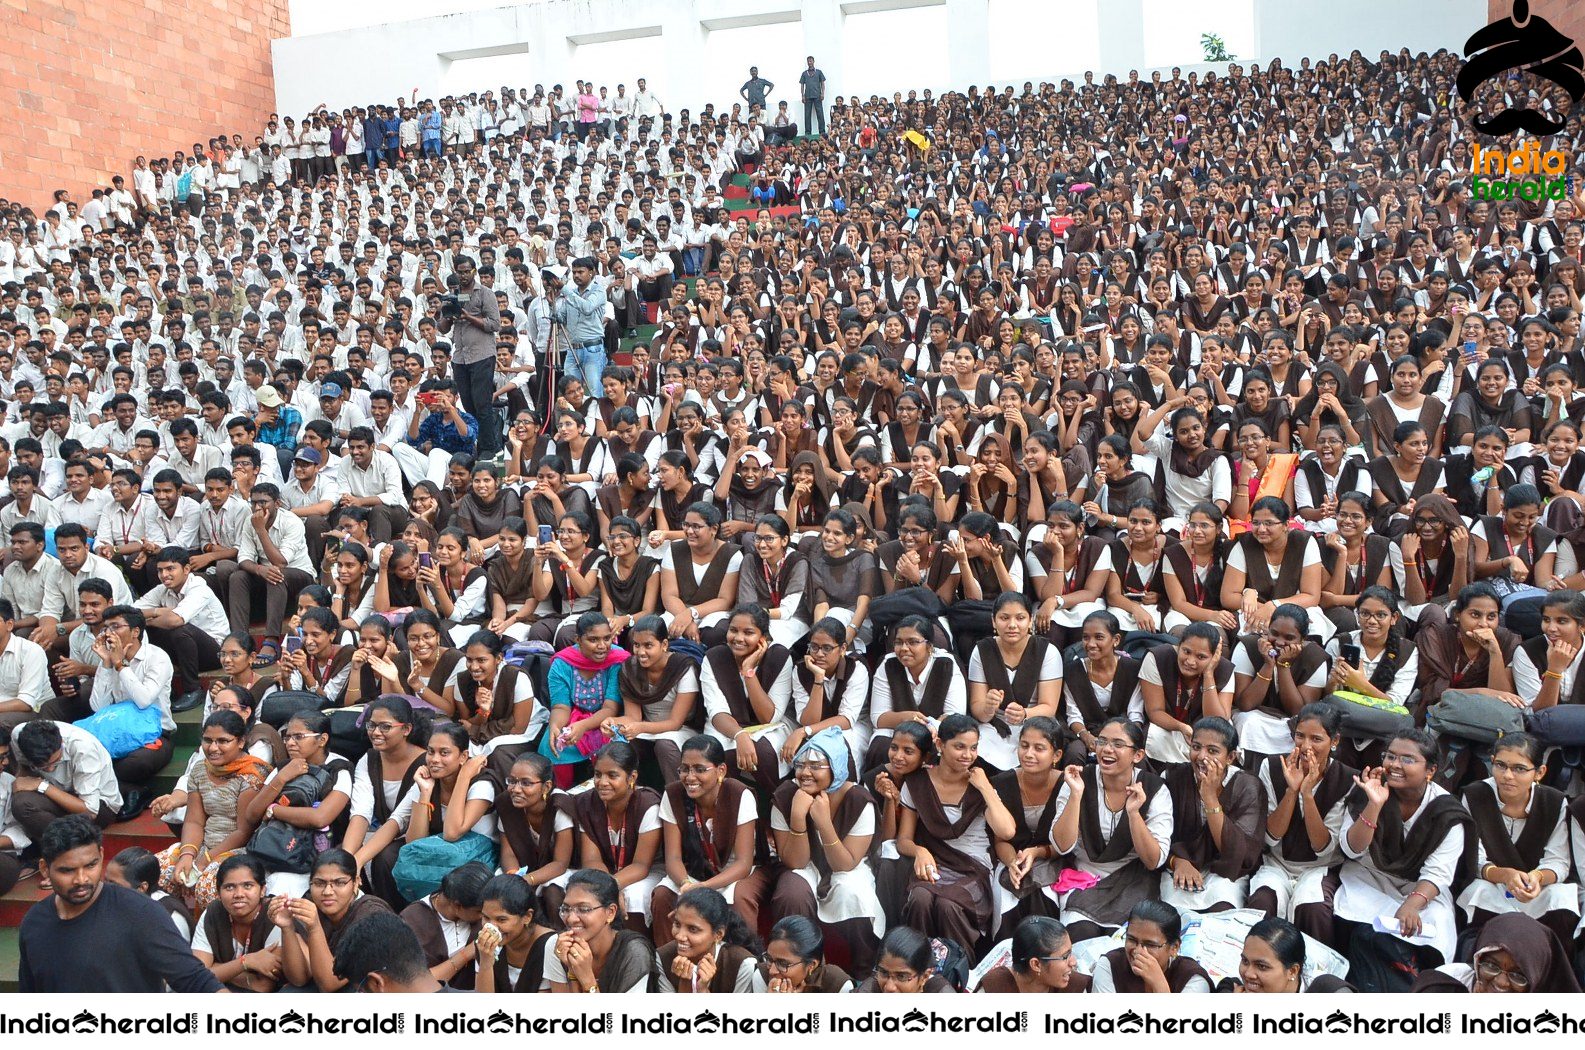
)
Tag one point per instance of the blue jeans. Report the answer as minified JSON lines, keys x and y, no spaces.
{"x":590,"y":362}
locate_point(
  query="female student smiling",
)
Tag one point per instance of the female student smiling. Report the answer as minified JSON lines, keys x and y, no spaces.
{"x":906,"y":964}
{"x":711,"y":948}
{"x":823,"y":825}
{"x":660,"y":696}
{"x":514,"y":942}
{"x":594,"y":953}
{"x":709,"y":833}
{"x":1217,"y":811}
{"x":1182,"y":684}
{"x":747,"y":690}
{"x":1513,"y":953}
{"x":1151,"y":958}
{"x":1026,"y":863}
{"x":619,"y":832}
{"x":1305,"y":790}
{"x":398,"y":744}
{"x":537,"y":830}
{"x":1114,"y":826}
{"x":1409,"y":846}
{"x":1042,"y":961}
{"x":1524,"y":861}
{"x":795,"y":961}
{"x":948,"y":815}
{"x":1013,"y":676}
{"x":1547,"y":669}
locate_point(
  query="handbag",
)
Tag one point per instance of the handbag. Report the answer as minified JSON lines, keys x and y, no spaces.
{"x":887,"y":610}
{"x":421,"y":865}
{"x":1366,"y":716}
{"x":123,"y":727}
{"x":279,"y":707}
{"x":347,"y":735}
{"x":1473,"y":716}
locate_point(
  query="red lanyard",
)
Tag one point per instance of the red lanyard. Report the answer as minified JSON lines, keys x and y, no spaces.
{"x":1354,"y":570}
{"x":1184,"y":700}
{"x":1461,"y":664}
{"x":705,"y":838}
{"x":771,"y":586}
{"x":128,"y":517}
{"x":216,"y":520}
{"x":1529,"y":548}
{"x":618,"y":837}
{"x":1198,"y":588}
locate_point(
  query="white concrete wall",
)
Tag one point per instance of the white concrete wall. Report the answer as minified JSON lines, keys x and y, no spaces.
{"x":1291,"y":31}
{"x":699,"y":50}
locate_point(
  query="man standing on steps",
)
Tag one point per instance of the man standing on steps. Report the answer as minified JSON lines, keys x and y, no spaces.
{"x":92,"y":936}
{"x":812,"y":83}
{"x":473,"y":329}
{"x":755,"y":89}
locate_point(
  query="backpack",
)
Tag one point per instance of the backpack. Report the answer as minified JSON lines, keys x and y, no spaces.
{"x":1562,"y":725}
{"x":1368,"y":717}
{"x":283,"y":847}
{"x":1471,"y":716}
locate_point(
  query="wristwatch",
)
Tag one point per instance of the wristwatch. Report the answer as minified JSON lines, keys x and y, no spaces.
{"x":44,"y":786}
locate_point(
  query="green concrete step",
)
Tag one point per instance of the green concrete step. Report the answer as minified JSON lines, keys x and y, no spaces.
{"x":10,"y":955}
{"x":165,"y":783}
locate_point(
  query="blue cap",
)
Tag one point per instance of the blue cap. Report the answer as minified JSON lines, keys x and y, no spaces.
{"x":329,"y":390}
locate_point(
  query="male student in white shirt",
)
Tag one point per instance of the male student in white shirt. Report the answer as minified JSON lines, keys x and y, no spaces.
{"x":186,"y":620}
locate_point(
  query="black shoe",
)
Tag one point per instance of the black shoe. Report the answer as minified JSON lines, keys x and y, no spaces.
{"x":187,"y":701}
{"x":135,"y":801}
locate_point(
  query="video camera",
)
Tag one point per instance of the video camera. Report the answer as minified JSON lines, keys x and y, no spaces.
{"x":450,"y":305}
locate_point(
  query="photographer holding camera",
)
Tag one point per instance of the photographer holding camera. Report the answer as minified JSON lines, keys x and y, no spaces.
{"x":473,"y":319}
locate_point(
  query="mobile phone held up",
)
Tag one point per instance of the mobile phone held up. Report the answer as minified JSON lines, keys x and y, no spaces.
{"x":545,"y":535}
{"x":425,"y":560}
{"x":294,"y":644}
{"x":1351,"y":654}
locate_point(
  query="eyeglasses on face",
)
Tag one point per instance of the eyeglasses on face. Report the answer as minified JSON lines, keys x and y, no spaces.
{"x":330,"y":884}
{"x":567,"y":911}
{"x":523,"y":782}
{"x":895,"y":976}
{"x":1489,"y":971}
{"x":1106,"y":743}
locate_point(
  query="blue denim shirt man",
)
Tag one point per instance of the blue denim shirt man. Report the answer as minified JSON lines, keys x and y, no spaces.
{"x":581,"y":311}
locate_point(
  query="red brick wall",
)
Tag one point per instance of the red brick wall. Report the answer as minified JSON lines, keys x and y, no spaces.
{"x":1567,"y":15}
{"x":90,"y":84}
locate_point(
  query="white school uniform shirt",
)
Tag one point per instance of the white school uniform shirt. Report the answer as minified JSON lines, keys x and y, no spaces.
{"x":9,"y":828}
{"x":85,"y":768}
{"x":957,"y":699}
{"x":195,"y":603}
{"x":1527,"y":676}
{"x":87,"y":512}
{"x":122,"y":525}
{"x":60,"y":596}
{"x":180,"y":529}
{"x":24,"y":672}
{"x":289,"y":536}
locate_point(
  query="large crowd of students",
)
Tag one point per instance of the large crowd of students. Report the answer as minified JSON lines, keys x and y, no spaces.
{"x":1042,"y":514}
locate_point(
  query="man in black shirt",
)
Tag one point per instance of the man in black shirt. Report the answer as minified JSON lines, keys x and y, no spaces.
{"x":95,"y":936}
{"x":381,"y":953}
